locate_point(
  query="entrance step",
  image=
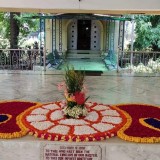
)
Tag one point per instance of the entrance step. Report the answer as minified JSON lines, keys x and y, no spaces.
{"x":84,"y":51}
{"x":83,"y":54}
{"x":85,"y":64}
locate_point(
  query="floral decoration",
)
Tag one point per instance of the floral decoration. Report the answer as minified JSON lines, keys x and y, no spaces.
{"x":151,"y":123}
{"x":48,"y":122}
{"x":74,"y":93}
{"x":4,"y":118}
{"x":137,"y":129}
{"x":10,"y":118}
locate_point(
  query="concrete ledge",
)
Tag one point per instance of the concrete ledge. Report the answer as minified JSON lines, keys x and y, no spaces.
{"x":30,"y":148}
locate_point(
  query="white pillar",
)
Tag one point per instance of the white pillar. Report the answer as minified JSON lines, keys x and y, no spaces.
{"x":132,"y":36}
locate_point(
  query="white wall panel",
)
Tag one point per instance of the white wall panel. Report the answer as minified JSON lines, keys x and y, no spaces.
{"x":120,"y":4}
{"x":72,"y":35}
{"x":40,"y":4}
{"x":95,"y":35}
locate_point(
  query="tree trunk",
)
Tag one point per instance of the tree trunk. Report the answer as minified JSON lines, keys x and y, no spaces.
{"x":14,"y":30}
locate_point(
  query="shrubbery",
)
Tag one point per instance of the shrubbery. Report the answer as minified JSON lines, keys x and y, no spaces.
{"x":151,"y":67}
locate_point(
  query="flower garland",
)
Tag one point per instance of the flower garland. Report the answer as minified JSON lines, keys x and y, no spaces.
{"x":136,"y":130}
{"x":48,"y":122}
{"x":10,"y":115}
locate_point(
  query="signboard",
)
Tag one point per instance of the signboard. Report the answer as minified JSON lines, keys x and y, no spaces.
{"x":71,"y":152}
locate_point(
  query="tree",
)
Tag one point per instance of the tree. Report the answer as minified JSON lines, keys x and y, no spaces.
{"x":14,"y":30}
{"x":14,"y":27}
{"x":147,"y":33}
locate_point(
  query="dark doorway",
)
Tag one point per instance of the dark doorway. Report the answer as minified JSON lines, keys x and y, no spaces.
{"x":84,"y":35}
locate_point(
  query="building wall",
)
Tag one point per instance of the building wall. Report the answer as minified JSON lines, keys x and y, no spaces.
{"x":49,"y":35}
{"x":114,"y":29}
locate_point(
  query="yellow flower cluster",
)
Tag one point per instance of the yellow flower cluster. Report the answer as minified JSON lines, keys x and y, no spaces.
{"x":70,"y":98}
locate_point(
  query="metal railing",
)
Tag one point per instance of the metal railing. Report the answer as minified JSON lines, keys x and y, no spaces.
{"x":27,"y":59}
{"x":21,"y":59}
{"x":144,"y":62}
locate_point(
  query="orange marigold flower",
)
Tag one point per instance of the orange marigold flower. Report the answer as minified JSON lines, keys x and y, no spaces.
{"x":71,"y":98}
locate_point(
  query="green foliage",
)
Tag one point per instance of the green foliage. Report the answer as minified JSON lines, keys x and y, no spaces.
{"x":71,"y":104}
{"x":147,"y":33}
{"x":4,"y":25}
{"x":50,"y":57}
{"x":74,"y":80}
{"x":26,"y":26}
{"x":4,"y":30}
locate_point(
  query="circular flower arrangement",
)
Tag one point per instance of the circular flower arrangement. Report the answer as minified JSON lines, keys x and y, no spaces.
{"x":49,"y":122}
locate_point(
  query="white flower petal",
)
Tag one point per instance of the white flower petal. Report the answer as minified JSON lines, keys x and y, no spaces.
{"x":100,"y":107}
{"x":80,"y":130}
{"x":40,"y":111}
{"x":102,"y":127}
{"x":60,"y":129}
{"x":42,"y":125}
{"x":110,"y":119}
{"x":51,"y":106}
{"x":92,"y":116}
{"x":73,"y":122}
{"x":35,"y":118}
{"x":56,"y":115}
{"x":110,"y":113}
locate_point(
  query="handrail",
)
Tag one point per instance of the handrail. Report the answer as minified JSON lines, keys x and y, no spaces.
{"x":140,"y":52}
{"x":141,"y":61}
{"x":21,"y":59}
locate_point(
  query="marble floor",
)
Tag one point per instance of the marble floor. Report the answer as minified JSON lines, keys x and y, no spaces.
{"x":108,"y":89}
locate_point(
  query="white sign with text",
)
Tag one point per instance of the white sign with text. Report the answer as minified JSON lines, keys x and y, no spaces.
{"x":71,"y":152}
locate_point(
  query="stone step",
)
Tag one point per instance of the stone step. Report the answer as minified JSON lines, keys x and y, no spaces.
{"x":82,"y":55}
{"x":84,"y":51}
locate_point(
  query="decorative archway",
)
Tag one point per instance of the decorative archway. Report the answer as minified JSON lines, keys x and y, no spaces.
{"x":78,"y":30}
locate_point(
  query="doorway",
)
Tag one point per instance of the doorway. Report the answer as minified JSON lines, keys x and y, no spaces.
{"x":84,"y":35}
